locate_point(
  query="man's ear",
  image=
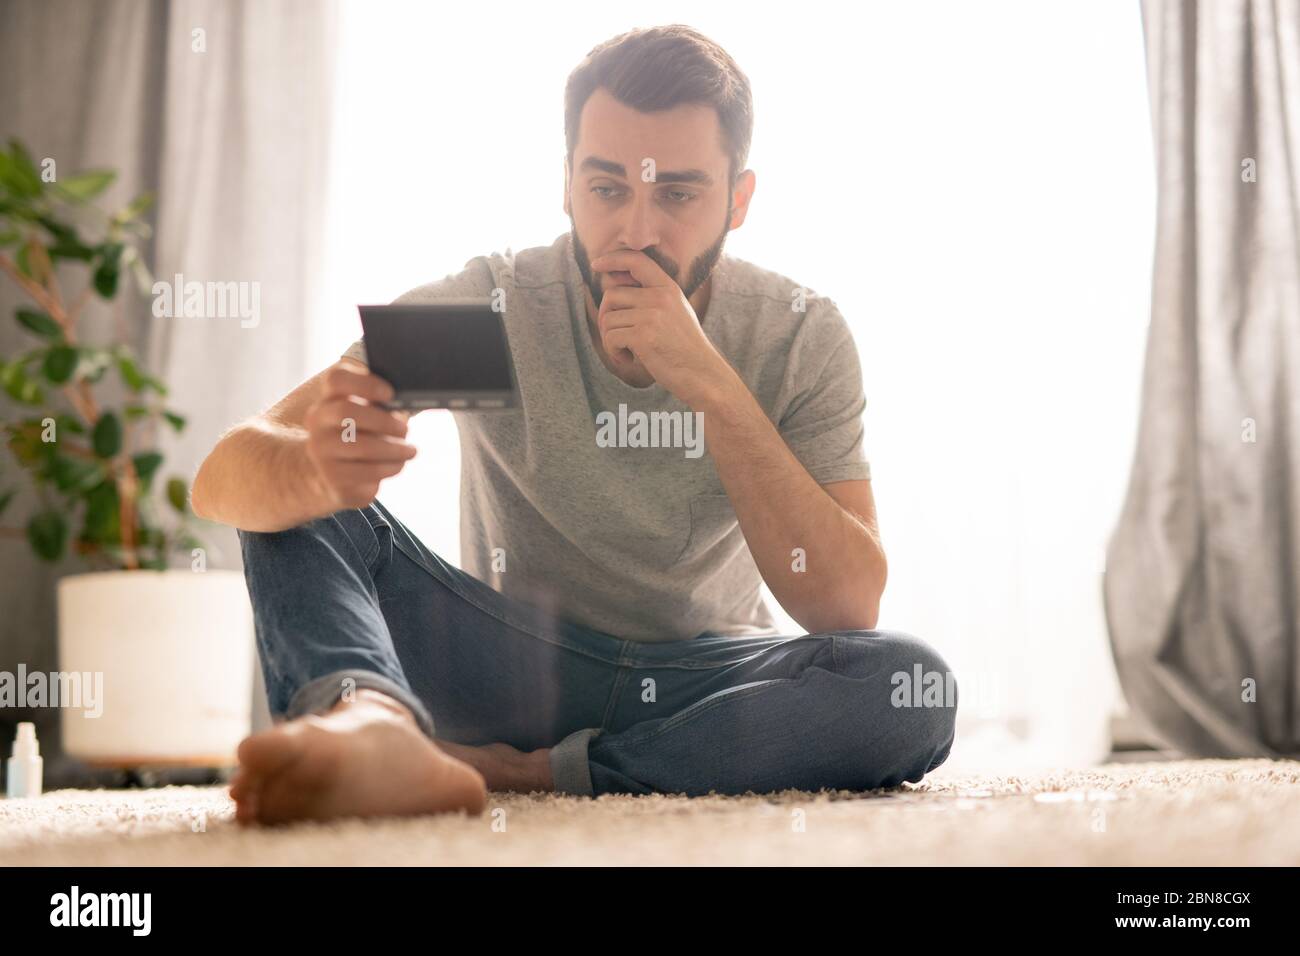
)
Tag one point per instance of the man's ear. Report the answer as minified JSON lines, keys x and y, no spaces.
{"x":567,"y":211}
{"x":744,"y":192}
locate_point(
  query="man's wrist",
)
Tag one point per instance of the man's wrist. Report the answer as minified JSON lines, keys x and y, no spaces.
{"x":724,"y":399}
{"x":310,"y":483}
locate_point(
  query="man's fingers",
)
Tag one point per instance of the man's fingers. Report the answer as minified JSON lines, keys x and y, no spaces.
{"x":367,"y":447}
{"x":360,"y":472}
{"x":641,"y":267}
{"x":334,"y":415}
{"x":620,"y":319}
{"x":342,"y":380}
{"x":618,"y":344}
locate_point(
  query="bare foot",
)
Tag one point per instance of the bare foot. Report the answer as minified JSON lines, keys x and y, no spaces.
{"x":505,"y":768}
{"x":365,"y":758}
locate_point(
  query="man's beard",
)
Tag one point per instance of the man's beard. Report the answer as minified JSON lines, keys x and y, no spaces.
{"x":697,"y":275}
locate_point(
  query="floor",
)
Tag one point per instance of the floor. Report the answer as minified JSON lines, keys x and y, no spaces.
{"x":1210,"y":812}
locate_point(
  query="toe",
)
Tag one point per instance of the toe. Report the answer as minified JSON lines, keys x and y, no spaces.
{"x":246,"y":807}
{"x":270,"y":751}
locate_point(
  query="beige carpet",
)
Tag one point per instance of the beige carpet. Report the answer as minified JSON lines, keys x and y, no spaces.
{"x":1213,"y":812}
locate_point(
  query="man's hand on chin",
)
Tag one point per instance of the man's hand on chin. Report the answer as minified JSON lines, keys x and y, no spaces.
{"x":651,"y":331}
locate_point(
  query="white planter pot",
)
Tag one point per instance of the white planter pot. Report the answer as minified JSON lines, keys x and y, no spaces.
{"x":176,"y":652}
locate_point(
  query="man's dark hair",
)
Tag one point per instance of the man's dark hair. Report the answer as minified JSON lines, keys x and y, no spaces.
{"x":657,"y":68}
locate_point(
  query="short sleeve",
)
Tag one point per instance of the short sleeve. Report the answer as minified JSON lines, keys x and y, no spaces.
{"x":474,"y":281}
{"x":357,"y":350}
{"x":822,"y":418}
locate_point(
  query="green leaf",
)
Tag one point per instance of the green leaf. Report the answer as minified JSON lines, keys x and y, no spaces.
{"x":24,"y":266}
{"x":47,"y":531}
{"x":103,"y":519}
{"x":19,"y":385}
{"x":67,"y":244}
{"x":5,"y":498}
{"x":135,"y":412}
{"x":26,"y":167}
{"x":61,"y":232}
{"x":109,"y":269}
{"x":18,"y":173}
{"x":34,"y":260}
{"x":178,"y":494}
{"x":10,"y":179}
{"x":76,"y":475}
{"x":107,"y":437}
{"x":138,"y":206}
{"x":130,"y":372}
{"x":146,"y":463}
{"x":25,"y":442}
{"x":86,"y":186}
{"x":105,"y":279}
{"x":40,"y":323}
{"x":59,"y":363}
{"x":17,"y":209}
{"x":177,"y":421}
{"x":68,"y":250}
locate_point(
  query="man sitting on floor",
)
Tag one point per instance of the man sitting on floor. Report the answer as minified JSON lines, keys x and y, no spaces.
{"x":607,"y":633}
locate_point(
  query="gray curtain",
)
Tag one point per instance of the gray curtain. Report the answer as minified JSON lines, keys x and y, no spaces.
{"x":232,"y":139}
{"x":1203,"y":569}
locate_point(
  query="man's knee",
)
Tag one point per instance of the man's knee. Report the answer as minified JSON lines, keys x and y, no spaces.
{"x":909,"y":686}
{"x":350,"y":524}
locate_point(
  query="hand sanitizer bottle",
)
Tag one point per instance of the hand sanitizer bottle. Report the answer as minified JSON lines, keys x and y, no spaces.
{"x":25,"y":765}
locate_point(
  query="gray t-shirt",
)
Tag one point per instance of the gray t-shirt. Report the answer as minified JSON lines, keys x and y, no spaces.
{"x":641,"y":543}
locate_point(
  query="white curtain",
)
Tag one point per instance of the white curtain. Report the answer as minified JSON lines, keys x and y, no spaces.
{"x":1205,"y":561}
{"x":242,"y":177}
{"x":972,"y":183}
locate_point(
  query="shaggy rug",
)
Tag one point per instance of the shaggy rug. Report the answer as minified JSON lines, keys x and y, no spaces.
{"x":1196,"y":812}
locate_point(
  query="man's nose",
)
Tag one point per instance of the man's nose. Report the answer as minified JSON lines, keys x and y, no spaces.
{"x":640,"y":224}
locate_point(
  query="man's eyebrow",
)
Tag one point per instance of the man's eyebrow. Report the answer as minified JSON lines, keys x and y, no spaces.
{"x":696,"y":176}
{"x":604,"y":166}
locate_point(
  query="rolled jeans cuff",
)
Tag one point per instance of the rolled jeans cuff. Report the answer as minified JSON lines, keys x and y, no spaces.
{"x":570,"y":769}
{"x":321,"y":694}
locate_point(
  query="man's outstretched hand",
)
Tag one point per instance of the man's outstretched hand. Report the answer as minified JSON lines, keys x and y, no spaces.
{"x":353,"y":441}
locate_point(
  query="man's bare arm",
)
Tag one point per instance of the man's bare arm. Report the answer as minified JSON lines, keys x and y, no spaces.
{"x":299,"y":460}
{"x":781,"y":507}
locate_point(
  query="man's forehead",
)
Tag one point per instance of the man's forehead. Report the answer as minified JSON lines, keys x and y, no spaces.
{"x":686,"y":137}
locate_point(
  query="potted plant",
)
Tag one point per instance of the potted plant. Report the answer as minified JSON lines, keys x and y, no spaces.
{"x":171,"y":647}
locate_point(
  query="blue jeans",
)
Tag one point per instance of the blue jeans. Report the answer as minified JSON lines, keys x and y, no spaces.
{"x":354,"y":600}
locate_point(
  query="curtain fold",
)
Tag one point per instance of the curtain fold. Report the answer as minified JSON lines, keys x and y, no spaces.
{"x":1203,"y":568}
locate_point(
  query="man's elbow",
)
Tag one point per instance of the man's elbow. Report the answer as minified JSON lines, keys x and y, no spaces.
{"x":863,"y":615}
{"x":867,"y":618}
{"x":857,"y":607}
{"x":199,"y":490}
{"x":845,"y":612}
